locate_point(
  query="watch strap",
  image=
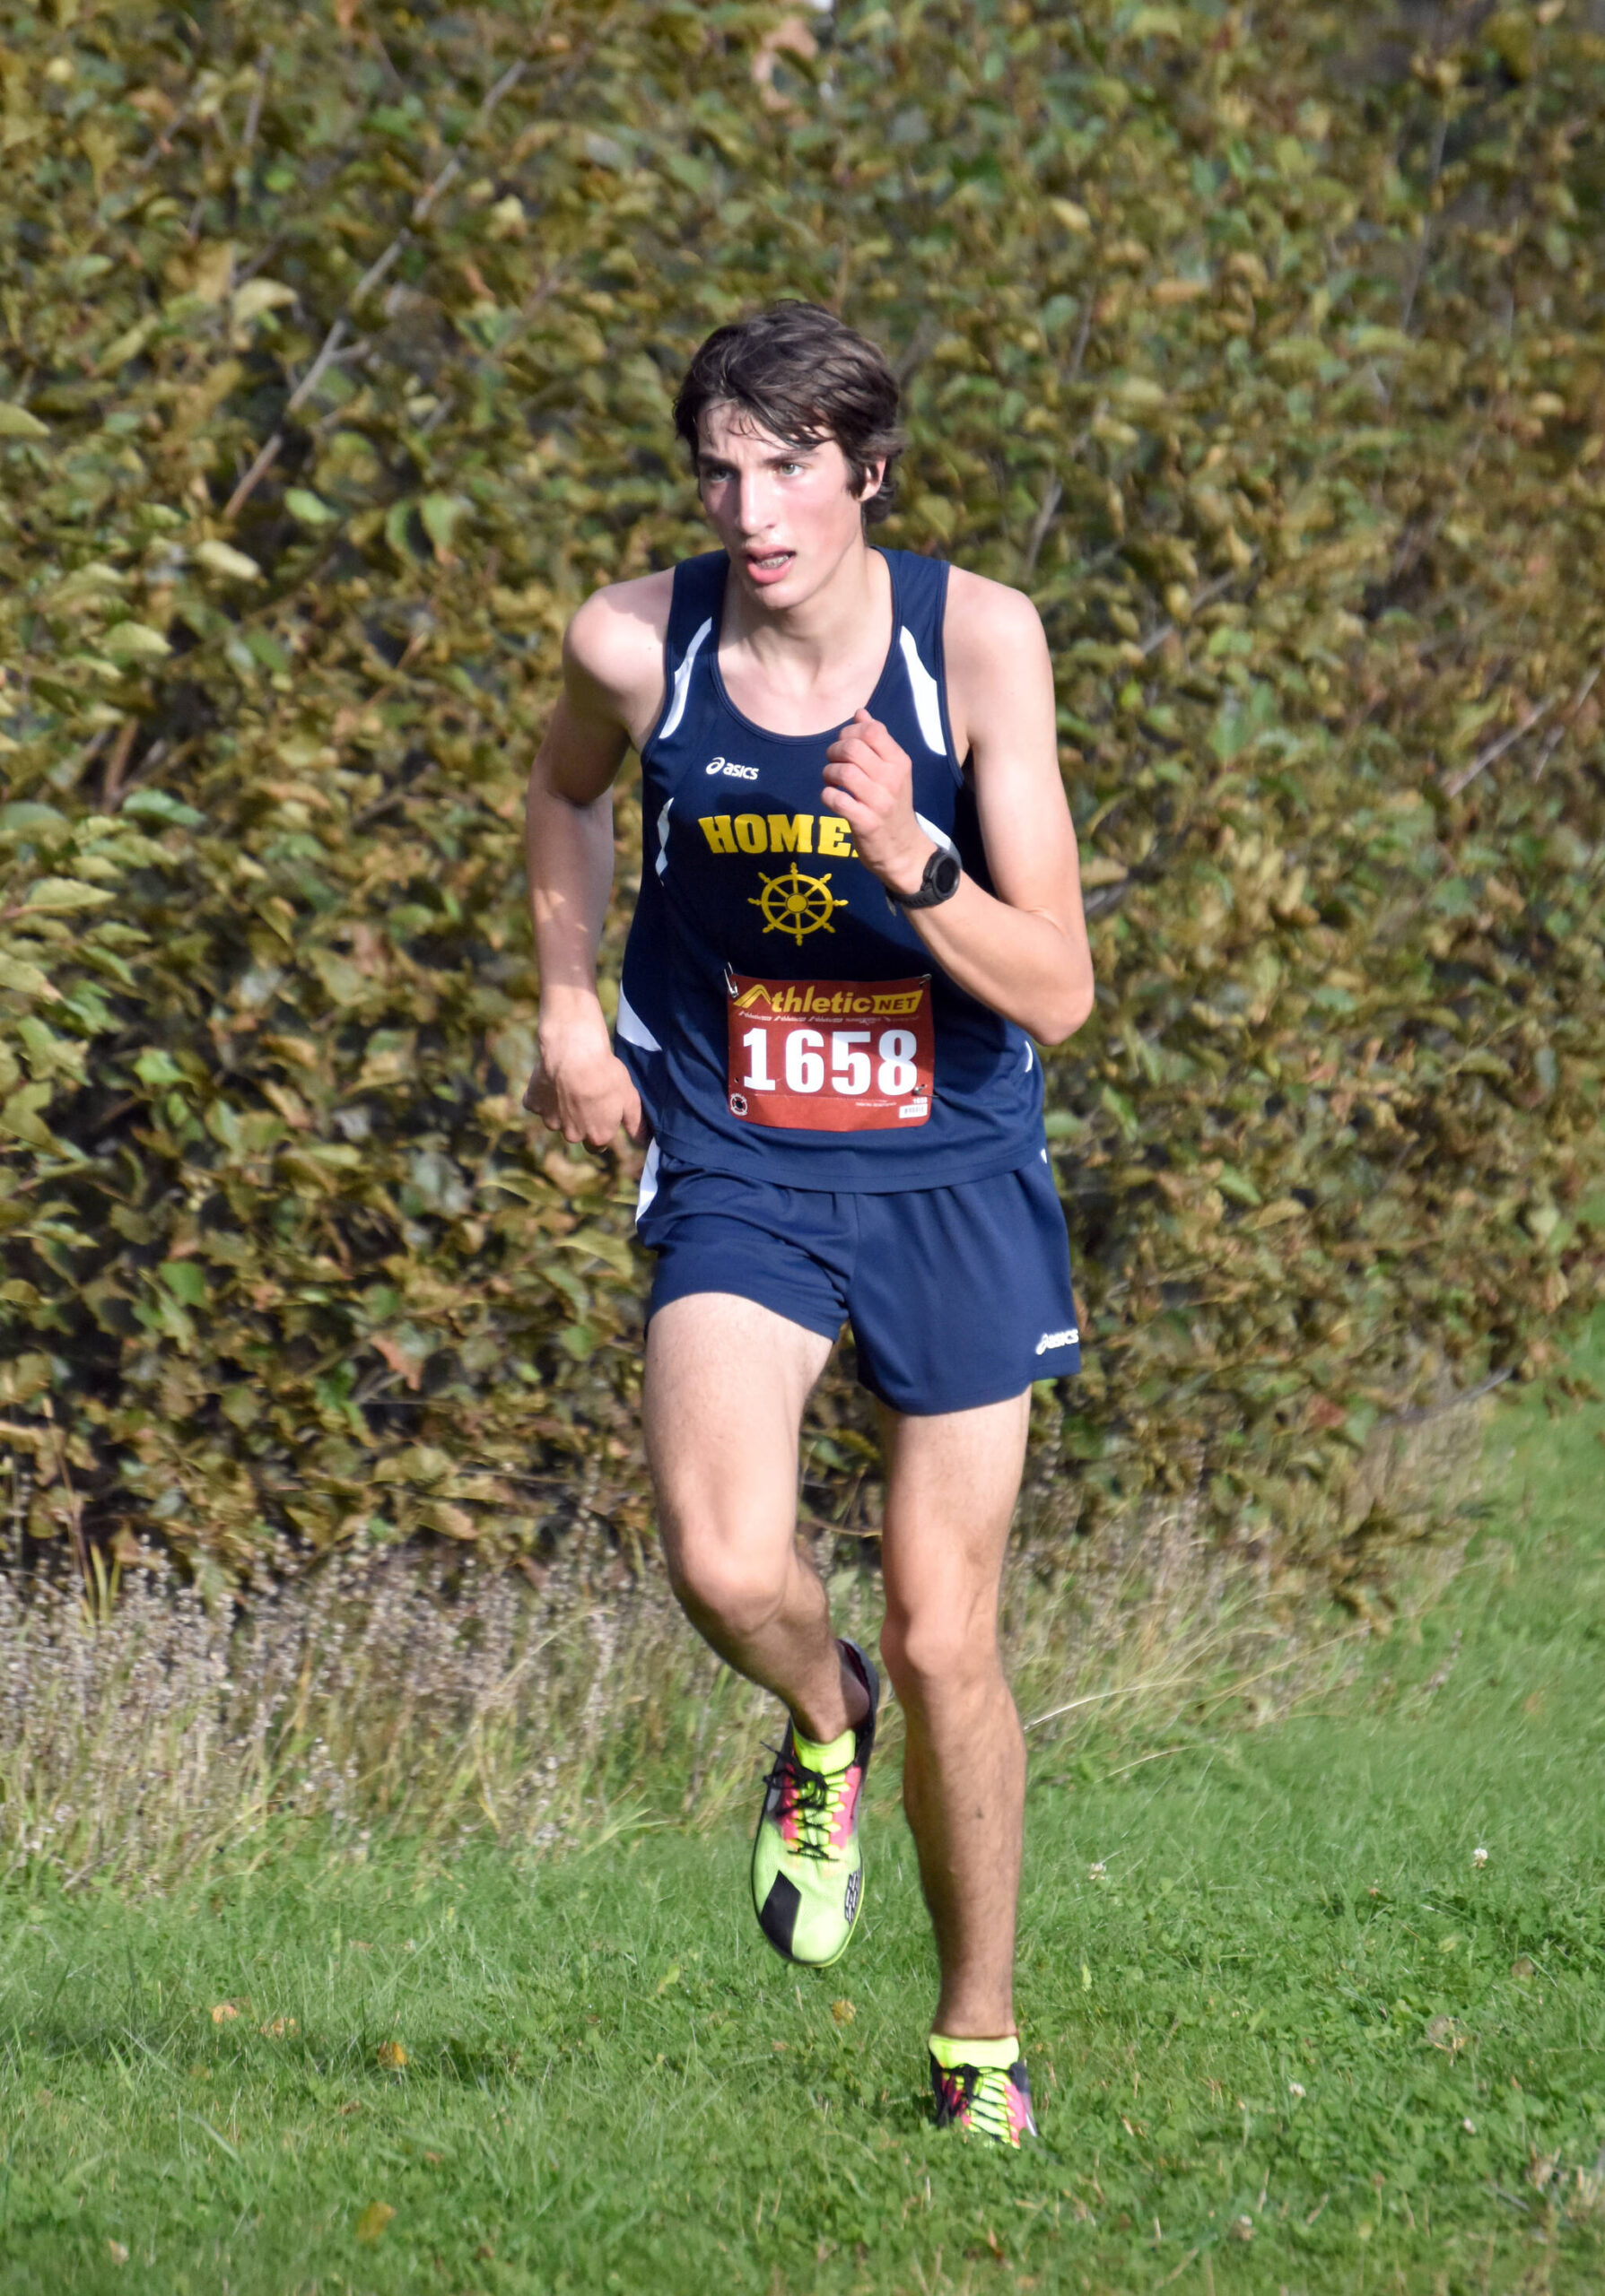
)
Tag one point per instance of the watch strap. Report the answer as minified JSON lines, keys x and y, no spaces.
{"x":939,"y":882}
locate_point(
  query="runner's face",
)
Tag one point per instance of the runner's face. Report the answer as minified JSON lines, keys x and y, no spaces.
{"x":787,"y":514}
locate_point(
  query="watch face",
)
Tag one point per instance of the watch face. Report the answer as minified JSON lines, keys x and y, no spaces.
{"x":945,"y":873}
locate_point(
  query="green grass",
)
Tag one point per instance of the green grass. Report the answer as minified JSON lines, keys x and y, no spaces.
{"x":609,"y":2083}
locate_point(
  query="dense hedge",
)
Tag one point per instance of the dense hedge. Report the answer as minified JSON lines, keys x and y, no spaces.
{"x":1264,"y":347}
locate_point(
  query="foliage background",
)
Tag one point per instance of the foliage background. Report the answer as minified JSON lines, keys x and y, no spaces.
{"x":1263,"y":347}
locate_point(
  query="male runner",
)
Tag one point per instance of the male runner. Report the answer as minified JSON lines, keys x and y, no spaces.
{"x":859,"y":903}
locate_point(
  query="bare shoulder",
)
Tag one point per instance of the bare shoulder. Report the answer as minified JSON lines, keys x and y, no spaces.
{"x":613,"y":649}
{"x":996,"y":659}
{"x":987,"y":621}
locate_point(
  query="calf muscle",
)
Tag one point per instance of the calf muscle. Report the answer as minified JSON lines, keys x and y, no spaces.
{"x":951,"y":1483}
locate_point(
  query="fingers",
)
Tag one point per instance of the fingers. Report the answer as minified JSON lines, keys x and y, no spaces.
{"x":868,"y":738}
{"x":594,"y":1114}
{"x":867,"y":733}
{"x":850,"y":751}
{"x":854,"y":778}
{"x":590,"y":1118}
{"x":540,"y":1099}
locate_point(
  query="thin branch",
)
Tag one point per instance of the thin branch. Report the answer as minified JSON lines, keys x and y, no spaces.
{"x":1047,"y":511}
{"x":1418,"y":271}
{"x":1099,"y":900}
{"x":89,"y":751}
{"x":531,"y":304}
{"x":371,"y":278}
{"x":917,"y":350}
{"x":1211,"y":590}
{"x":253,"y":115}
{"x":1082,"y":332}
{"x":253,"y":478}
{"x":1485,"y":758}
{"x":454,"y":166}
{"x":258,"y":262}
{"x":117,"y":764}
{"x":1568,"y":721}
{"x":162,"y":141}
{"x":275,"y":446}
{"x":364,"y":287}
{"x":314,"y":375}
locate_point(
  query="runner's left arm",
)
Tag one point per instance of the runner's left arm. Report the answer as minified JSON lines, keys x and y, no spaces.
{"x":1024,"y":950}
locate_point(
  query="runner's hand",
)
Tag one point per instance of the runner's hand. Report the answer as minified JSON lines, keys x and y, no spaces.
{"x":869,"y":781}
{"x":582,"y":1089}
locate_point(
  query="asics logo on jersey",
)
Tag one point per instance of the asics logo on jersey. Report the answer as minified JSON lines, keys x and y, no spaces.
{"x":730,"y":771}
{"x":1058,"y":1339}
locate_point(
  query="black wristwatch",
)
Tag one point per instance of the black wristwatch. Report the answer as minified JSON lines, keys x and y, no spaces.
{"x":940,"y":881}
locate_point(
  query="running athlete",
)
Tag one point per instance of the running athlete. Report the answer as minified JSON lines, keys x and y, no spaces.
{"x":860,"y":903}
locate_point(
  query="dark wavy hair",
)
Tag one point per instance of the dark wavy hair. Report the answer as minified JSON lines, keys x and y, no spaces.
{"x":803,"y":374}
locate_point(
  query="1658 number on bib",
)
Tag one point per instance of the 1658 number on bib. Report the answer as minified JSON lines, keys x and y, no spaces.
{"x":831,"y":1056}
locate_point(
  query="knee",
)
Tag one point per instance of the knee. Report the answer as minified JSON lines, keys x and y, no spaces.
{"x":723,"y":1589}
{"x":936,"y":1652}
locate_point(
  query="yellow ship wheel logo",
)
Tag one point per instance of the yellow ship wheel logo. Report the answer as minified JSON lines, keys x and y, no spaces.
{"x":795,"y":904}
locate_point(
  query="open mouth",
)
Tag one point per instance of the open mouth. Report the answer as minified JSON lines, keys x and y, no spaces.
{"x":769,"y":566}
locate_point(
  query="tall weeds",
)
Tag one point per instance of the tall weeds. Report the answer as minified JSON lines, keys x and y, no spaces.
{"x":141,"y":1731}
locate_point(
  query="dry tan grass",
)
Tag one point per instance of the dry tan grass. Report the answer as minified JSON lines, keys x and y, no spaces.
{"x":141,"y":1734}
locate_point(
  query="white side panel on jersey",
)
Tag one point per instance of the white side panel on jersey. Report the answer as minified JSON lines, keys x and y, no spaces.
{"x":677,"y":707}
{"x":648,"y":1182}
{"x":937,"y":836}
{"x":634,"y":1029}
{"x":1028,"y":1052}
{"x":927,"y":699}
{"x":661,"y":863}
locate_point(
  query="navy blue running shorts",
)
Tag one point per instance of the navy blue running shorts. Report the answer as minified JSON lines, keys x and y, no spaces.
{"x":957,"y":1296}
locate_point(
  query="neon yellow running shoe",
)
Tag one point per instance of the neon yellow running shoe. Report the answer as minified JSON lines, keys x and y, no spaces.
{"x":807,"y":1865}
{"x":992,"y":2101}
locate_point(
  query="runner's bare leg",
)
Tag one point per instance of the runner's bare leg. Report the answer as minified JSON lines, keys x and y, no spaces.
{"x":951,"y":1485}
{"x":723,"y":1402}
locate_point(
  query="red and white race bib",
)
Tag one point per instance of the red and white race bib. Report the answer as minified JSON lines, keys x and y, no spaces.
{"x":831,"y":1056}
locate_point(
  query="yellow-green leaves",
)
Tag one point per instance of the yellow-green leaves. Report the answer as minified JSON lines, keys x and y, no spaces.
{"x":1273,"y":379}
{"x":308,"y":507}
{"x":57,"y":896}
{"x":223,"y":558}
{"x":134,"y":641}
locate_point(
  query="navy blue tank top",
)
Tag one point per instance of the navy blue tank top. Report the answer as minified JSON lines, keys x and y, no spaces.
{"x":766,"y":971}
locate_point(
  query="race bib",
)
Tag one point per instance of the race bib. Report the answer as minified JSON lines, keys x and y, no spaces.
{"x":831,"y":1056}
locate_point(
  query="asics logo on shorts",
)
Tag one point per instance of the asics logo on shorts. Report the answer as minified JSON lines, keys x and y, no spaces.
{"x":722,"y":765}
{"x":1058,"y":1339}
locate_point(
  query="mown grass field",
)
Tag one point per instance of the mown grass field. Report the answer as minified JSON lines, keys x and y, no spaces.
{"x":1295,"y":2034}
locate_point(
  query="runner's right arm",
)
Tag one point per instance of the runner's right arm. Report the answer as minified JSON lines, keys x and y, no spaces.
{"x":613,"y":683}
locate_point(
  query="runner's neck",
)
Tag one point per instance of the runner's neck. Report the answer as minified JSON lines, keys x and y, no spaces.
{"x":802,"y":668}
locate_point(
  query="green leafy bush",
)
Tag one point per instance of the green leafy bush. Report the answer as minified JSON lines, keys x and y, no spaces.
{"x":337,"y":349}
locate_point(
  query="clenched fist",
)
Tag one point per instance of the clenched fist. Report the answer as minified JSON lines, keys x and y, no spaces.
{"x":584,"y":1089}
{"x":869,"y":781}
